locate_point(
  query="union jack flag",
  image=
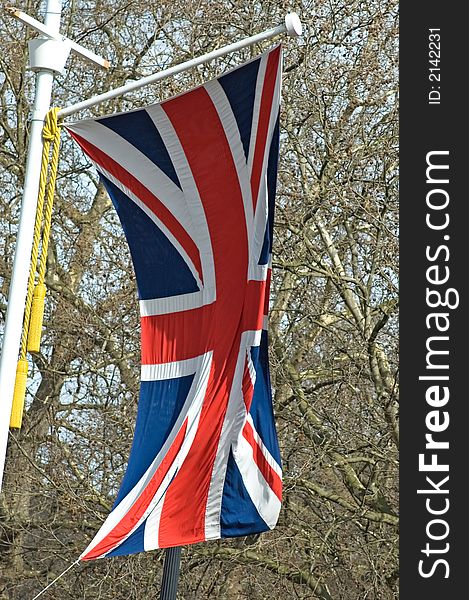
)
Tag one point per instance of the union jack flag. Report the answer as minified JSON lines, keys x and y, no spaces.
{"x":193,"y":182}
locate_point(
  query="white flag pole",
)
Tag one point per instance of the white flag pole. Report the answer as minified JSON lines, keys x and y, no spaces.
{"x":19,"y":278}
{"x":292,"y":27}
{"x":47,"y":56}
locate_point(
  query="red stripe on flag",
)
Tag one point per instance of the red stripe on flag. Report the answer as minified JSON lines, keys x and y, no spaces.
{"x":211,"y":162}
{"x":177,"y":336}
{"x":143,"y":194}
{"x":136,"y":512}
{"x":253,"y":315}
{"x":267,"y":292}
{"x":272,"y":478}
{"x":248,"y":388}
{"x":264,"y":119}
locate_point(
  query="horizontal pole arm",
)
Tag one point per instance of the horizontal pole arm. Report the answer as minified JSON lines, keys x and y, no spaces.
{"x":52,"y":35}
{"x":292,"y":26}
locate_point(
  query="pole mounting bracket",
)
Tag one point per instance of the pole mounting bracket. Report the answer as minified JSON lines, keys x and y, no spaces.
{"x":52,"y":56}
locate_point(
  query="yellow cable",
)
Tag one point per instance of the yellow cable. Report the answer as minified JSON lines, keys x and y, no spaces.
{"x":33,"y":313}
{"x":19,"y":394}
{"x":51,"y":133}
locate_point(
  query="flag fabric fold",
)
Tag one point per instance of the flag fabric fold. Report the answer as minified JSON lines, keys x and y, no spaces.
{"x":193,"y":181}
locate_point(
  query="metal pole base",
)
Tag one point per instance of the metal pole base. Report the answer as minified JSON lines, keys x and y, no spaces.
{"x":169,"y":584}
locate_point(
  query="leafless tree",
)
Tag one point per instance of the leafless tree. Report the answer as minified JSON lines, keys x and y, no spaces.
{"x":333,"y":323}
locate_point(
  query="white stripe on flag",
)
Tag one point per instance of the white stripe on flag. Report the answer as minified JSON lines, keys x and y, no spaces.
{"x":230,"y":127}
{"x":171,"y":370}
{"x":256,"y":109}
{"x":139,"y":165}
{"x":266,"y":502}
{"x":267,"y":455}
{"x":191,"y":410}
{"x":173,"y":304}
{"x":232,"y":425}
{"x":262,"y":207}
{"x":194,"y":205}
{"x":128,"y":192}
